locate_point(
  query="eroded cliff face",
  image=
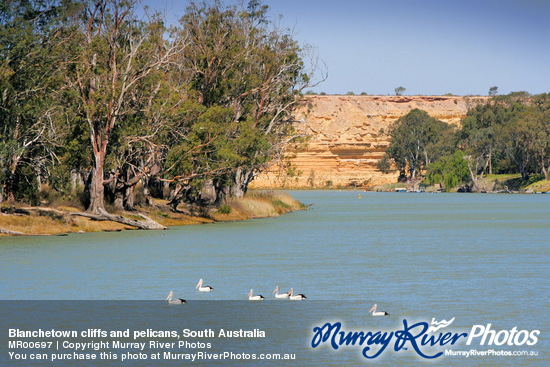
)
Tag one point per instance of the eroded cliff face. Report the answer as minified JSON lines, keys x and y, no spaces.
{"x":348,"y":136}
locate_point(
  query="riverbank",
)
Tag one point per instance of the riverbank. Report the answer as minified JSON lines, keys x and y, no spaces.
{"x":62,"y":220}
{"x":496,"y":183}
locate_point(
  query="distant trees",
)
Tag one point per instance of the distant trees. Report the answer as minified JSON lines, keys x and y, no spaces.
{"x":510,"y":130}
{"x":416,"y":140}
{"x":451,"y":170}
{"x":399,"y":91}
{"x":493,"y":91}
{"x":509,"y":134}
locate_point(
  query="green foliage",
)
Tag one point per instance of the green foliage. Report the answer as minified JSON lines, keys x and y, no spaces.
{"x":27,"y":185}
{"x":278,"y":203}
{"x":224,"y":209}
{"x":509,"y":134}
{"x":93,"y":88}
{"x":399,"y":91}
{"x":384,"y":164}
{"x":416,"y":140}
{"x":451,"y":170}
{"x":29,"y":80}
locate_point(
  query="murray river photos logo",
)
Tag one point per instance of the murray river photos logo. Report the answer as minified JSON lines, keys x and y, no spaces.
{"x":427,"y":340}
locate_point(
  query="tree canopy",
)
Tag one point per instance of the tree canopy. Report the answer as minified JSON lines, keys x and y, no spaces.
{"x":508,"y":134}
{"x":107,"y":94}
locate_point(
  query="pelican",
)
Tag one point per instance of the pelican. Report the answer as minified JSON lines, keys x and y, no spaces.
{"x":378,"y":313}
{"x":178,"y":301}
{"x":282,"y":295}
{"x":254,"y":298}
{"x":206,"y":288}
{"x":295,"y":297}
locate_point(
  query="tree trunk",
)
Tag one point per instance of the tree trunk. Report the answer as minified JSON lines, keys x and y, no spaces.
{"x":473,"y":176}
{"x":241,"y":179}
{"x":145,"y":180}
{"x":491,"y":161}
{"x":119,"y":199}
{"x":76,"y":180}
{"x":10,"y":188}
{"x":148,"y":223}
{"x":524,"y":174}
{"x":543,"y":168}
{"x":129,"y":198}
{"x":413,"y":173}
{"x":175,"y":197}
{"x":97,"y":200}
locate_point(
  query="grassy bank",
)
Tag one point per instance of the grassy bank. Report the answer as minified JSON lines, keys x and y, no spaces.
{"x":57,"y":221}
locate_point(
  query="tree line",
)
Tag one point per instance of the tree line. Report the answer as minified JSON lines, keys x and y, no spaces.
{"x":508,"y":134}
{"x":105,"y":93}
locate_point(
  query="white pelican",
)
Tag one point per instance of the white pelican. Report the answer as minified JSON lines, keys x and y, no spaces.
{"x":295,"y":297}
{"x":378,"y":313}
{"x":178,"y":301}
{"x":282,"y":295}
{"x":254,"y":298}
{"x":206,"y":288}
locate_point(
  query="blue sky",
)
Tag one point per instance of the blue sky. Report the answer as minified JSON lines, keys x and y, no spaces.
{"x":427,"y":46}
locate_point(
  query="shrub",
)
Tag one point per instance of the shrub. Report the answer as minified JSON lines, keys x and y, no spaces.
{"x":224,"y":209}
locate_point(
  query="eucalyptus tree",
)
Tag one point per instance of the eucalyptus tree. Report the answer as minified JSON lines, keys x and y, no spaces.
{"x":417,"y":140}
{"x":246,"y":76}
{"x":542,"y":139}
{"x":111,"y":52}
{"x":29,"y":89}
{"x":479,"y":138}
{"x":525,"y":140}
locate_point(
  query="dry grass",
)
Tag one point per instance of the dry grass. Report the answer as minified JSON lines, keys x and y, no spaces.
{"x":168,"y":218}
{"x":47,"y":221}
{"x":540,"y":186}
{"x":259,"y":205}
{"x":45,"y":225}
{"x":256,"y":207}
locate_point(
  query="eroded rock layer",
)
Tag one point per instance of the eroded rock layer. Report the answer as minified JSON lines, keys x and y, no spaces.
{"x":348,"y":136}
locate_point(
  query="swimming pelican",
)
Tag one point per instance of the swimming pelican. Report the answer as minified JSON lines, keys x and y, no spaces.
{"x":282,"y":295}
{"x":378,"y":313}
{"x":178,"y":301}
{"x":254,"y":298}
{"x":295,"y":297}
{"x":206,"y":288}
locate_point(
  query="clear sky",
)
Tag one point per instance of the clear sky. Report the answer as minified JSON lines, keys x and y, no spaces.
{"x":427,"y":46}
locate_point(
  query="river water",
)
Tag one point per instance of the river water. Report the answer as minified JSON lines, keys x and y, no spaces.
{"x":481,"y":259}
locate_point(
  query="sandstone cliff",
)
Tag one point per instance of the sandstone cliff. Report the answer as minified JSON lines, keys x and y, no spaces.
{"x":347,"y":138}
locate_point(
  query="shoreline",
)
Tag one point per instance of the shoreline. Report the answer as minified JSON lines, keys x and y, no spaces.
{"x":61,"y":221}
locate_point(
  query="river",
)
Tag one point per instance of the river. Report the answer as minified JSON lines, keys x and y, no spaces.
{"x":479,"y":258}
